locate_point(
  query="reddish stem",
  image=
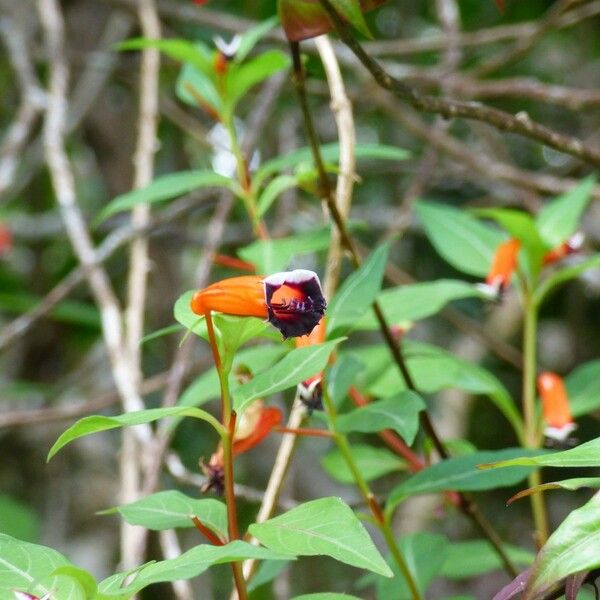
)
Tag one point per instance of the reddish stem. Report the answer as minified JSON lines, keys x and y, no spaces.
{"x":304,"y":431}
{"x":211,"y":536}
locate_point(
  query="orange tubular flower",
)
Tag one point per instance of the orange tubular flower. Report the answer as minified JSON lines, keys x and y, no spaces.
{"x":309,"y":391}
{"x":571,"y":246}
{"x":503,"y":266}
{"x":5,"y":239}
{"x":555,"y":405}
{"x":255,"y":424}
{"x":292,"y":301}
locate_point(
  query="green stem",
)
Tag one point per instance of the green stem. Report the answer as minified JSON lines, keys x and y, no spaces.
{"x":538,"y":505}
{"x":228,"y":419}
{"x":382,"y":523}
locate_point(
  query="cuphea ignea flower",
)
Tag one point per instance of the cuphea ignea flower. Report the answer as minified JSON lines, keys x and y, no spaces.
{"x":292,"y":301}
{"x":571,"y":246}
{"x":255,"y":424}
{"x":555,"y":407}
{"x":503,"y":266}
{"x":309,"y":391}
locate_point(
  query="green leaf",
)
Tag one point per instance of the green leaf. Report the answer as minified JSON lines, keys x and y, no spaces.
{"x":182,"y":311}
{"x":165,"y":188}
{"x":272,"y":256}
{"x":295,"y":367}
{"x":573,"y":547}
{"x":84,"y":578}
{"x":585,"y":455}
{"x":197,"y":53}
{"x":559,"y":219}
{"x":563,"y":275}
{"x":341,"y":376}
{"x":464,"y":242}
{"x":521,"y":226}
{"x":583,"y":388}
{"x":352,"y":12}
{"x":192,"y":83}
{"x":273,"y":190}
{"x":171,"y":509}
{"x":460,"y":474}
{"x":234,"y":332}
{"x":242,"y":77}
{"x":424,"y":554}
{"x":251,"y":37}
{"x":566,"y":484}
{"x":189,"y":564}
{"x":322,"y":527}
{"x":206,"y":387}
{"x":473,"y":558}
{"x":330,"y":153}
{"x":18,"y":520}
{"x":94,"y":424}
{"x":266,"y":572}
{"x":357,"y":293}
{"x":29,"y":568}
{"x":325,"y":596}
{"x":400,"y":413}
{"x":161,"y":333}
{"x":434,"y":369}
{"x":416,"y":301}
{"x":371,"y":462}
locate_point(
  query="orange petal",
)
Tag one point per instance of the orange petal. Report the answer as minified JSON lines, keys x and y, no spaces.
{"x":555,"y":402}
{"x":269,"y":418}
{"x":242,"y":296}
{"x":504,"y":263}
{"x":316,"y":336}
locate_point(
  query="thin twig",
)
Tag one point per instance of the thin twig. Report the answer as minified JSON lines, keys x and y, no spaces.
{"x":520,"y":123}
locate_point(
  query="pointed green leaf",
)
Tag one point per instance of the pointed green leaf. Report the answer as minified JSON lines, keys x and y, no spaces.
{"x":182,"y":311}
{"x":197,"y":53}
{"x":325,"y":596}
{"x":416,"y":301}
{"x":460,"y":474}
{"x":583,"y":388}
{"x":242,"y":77}
{"x":560,"y":218}
{"x":95,"y":424}
{"x":295,"y":367}
{"x":563,"y":275}
{"x":573,"y":547}
{"x":322,"y":527}
{"x":585,"y":455}
{"x":340,"y":376}
{"x":400,"y":413}
{"x":357,"y":293}
{"x":29,"y":568}
{"x":273,"y":190}
{"x":371,"y":462}
{"x":351,"y":10}
{"x":566,"y":484}
{"x":463,"y":241}
{"x":189,"y":564}
{"x":82,"y":577}
{"x":165,"y":188}
{"x":171,"y":509}
{"x":251,"y":37}
{"x":193,"y":84}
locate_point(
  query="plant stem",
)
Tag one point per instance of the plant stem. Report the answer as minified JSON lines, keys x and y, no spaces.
{"x":228,"y":420}
{"x":382,"y":523}
{"x":538,"y":505}
{"x":327,"y":195}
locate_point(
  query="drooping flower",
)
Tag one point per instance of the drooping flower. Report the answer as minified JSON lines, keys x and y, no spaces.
{"x":502,"y":268}
{"x":256,"y":422}
{"x":310,"y":391}
{"x":555,"y":407}
{"x":571,"y":246}
{"x":292,"y":301}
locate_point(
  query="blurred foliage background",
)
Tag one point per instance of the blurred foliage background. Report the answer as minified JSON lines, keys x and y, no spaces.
{"x":56,"y":368}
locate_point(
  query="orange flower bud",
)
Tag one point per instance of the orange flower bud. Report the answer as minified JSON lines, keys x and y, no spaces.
{"x":292,"y":301}
{"x":555,"y":406}
{"x":571,"y":246}
{"x":309,"y":391}
{"x":503,"y":264}
{"x":254,"y":426}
